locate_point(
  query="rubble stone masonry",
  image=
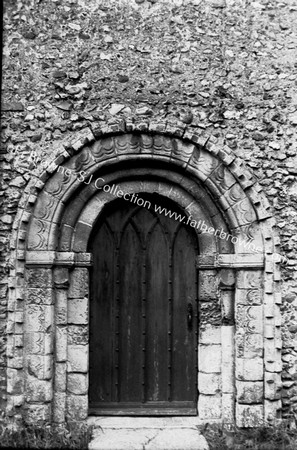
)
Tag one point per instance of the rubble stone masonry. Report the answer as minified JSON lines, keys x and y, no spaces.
{"x":86,"y":78}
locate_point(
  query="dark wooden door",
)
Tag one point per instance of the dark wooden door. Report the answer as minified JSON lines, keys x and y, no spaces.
{"x":143,"y":314}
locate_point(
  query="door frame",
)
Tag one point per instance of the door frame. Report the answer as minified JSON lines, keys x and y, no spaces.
{"x":52,"y":226}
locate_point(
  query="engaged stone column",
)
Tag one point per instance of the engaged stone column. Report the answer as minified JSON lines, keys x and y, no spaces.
{"x":247,"y":315}
{"x":56,"y":310}
{"x":78,"y":349}
{"x":61,"y":282}
{"x":209,"y":351}
{"x":39,"y":339}
{"x":227,"y":295}
{"x":71,"y":280}
{"x":249,"y":348}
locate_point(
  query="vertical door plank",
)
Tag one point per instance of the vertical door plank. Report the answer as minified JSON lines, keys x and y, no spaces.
{"x":130,"y":348}
{"x":157,"y":316}
{"x":101,"y":322}
{"x":183,"y":335}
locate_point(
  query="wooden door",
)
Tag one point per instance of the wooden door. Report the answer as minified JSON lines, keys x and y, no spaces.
{"x":143,"y":313}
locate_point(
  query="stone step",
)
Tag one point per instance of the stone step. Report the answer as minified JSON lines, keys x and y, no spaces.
{"x":135,"y":433}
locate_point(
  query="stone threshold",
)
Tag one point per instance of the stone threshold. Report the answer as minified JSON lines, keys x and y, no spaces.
{"x":146,"y":433}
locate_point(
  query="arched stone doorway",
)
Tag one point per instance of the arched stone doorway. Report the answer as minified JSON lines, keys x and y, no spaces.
{"x":239,"y":329}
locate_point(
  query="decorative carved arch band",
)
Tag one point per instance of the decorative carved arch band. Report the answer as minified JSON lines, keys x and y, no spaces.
{"x":55,"y":217}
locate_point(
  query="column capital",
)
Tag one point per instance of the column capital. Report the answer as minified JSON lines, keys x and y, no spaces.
{"x":230,"y":261}
{"x":52,"y":258}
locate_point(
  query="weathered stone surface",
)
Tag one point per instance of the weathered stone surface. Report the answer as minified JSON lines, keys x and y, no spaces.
{"x":39,"y":277}
{"x":210,"y":335}
{"x":39,"y":296}
{"x":77,"y":407}
{"x":81,"y":237}
{"x":35,"y":414}
{"x":134,"y":437}
{"x":249,"y":296}
{"x":210,"y":358}
{"x":225,"y":182}
{"x":60,"y":377}
{"x":78,"y":283}
{"x":77,"y":334}
{"x":12,"y":106}
{"x":77,"y":383}
{"x":228,"y":402}
{"x":249,"y":369}
{"x":61,"y":307}
{"x":34,"y":343}
{"x":38,"y":240}
{"x":210,"y":313}
{"x":38,"y":390}
{"x":227,"y":305}
{"x":248,"y":345}
{"x":210,"y":407}
{"x":250,"y":392}
{"x":175,"y":439}
{"x":250,"y":318}
{"x":273,"y":386}
{"x":61,"y":276}
{"x":272,"y":410}
{"x":39,"y":318}
{"x":59,"y":407}
{"x":61,"y":344}
{"x":209,"y":384}
{"x":40,"y":367}
{"x":208,"y":285}
{"x":77,"y":358}
{"x":18,"y":400}
{"x":48,"y":343}
{"x":252,"y":279}
{"x":249,"y":415}
{"x":228,"y":359}
{"x":15,"y":381}
{"x":78,"y":312}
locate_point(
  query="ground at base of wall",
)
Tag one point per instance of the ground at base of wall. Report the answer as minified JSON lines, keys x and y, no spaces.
{"x":279,"y":437}
{"x":44,"y":436}
{"x":178,"y":436}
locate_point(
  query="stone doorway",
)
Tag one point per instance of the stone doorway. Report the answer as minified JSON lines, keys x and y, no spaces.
{"x":239,"y":287}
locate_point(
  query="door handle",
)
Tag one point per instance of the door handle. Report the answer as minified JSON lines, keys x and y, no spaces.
{"x":190,"y":315}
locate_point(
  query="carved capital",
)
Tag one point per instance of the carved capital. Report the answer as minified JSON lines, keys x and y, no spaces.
{"x":230,"y":261}
{"x":40,"y":258}
{"x":52,"y":258}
